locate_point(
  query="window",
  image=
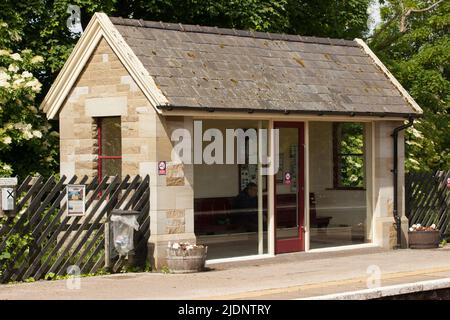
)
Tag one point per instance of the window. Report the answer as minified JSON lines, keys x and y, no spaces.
{"x":109,"y":147}
{"x":348,"y":155}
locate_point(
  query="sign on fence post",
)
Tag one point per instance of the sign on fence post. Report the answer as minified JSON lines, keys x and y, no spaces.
{"x":76,"y":195}
{"x":8,"y":196}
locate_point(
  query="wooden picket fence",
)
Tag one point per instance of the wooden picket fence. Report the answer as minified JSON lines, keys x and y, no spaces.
{"x":42,"y":241}
{"x":428,"y":200}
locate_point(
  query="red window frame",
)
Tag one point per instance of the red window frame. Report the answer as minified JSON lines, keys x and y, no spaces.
{"x":100,"y":156}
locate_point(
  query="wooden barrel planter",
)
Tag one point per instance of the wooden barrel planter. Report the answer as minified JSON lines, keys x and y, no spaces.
{"x":186,"y":261}
{"x":423,"y":239}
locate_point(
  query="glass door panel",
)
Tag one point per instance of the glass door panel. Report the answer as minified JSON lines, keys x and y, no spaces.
{"x":289,"y":189}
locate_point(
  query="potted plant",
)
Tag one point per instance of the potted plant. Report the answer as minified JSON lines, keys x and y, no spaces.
{"x":421,"y":237}
{"x":183,"y":257}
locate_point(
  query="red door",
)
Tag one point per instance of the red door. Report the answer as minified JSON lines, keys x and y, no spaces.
{"x":289,"y":189}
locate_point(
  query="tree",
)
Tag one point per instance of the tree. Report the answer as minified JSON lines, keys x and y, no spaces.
{"x":329,"y":18}
{"x":414,"y":42}
{"x":26,"y":138}
{"x":40,"y":27}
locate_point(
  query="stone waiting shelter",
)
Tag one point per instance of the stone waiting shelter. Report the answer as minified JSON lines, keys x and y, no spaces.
{"x":333,"y":113}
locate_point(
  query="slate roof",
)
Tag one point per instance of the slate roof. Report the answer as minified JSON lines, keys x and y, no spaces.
{"x":227,"y":69}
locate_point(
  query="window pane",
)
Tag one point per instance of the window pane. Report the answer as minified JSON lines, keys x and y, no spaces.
{"x":351,"y":170}
{"x":350,"y":138}
{"x":228,"y":215}
{"x":111,"y":136}
{"x":349,"y":151}
{"x":286,"y":210}
{"x":111,"y":167}
{"x":338,"y":216}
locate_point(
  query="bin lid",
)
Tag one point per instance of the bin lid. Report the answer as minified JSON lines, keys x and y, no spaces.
{"x":124,"y":212}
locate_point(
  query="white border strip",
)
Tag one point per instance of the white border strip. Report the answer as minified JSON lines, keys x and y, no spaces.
{"x":387,"y":291}
{"x":344,"y":248}
{"x":243,"y":258}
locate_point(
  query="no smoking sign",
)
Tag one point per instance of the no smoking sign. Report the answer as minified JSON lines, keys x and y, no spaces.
{"x":162,"y":168}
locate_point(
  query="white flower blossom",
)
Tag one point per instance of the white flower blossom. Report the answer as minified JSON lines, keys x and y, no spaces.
{"x":16,"y":57}
{"x":4,"y":84}
{"x":13,"y":68}
{"x":22,"y":126}
{"x":7,"y":140}
{"x":37,"y":134}
{"x":416,"y":133}
{"x":34,"y":84}
{"x":4,"y":52}
{"x":37,"y":59}
{"x":4,"y":76}
{"x":27,"y":74}
{"x":18,"y":83}
{"x":6,"y":167}
{"x":176,"y":245}
{"x":27,"y":135}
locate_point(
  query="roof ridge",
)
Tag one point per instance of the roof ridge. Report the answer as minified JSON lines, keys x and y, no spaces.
{"x":232,"y":32}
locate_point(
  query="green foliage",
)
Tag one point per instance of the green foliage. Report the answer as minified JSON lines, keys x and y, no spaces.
{"x":14,"y":243}
{"x":53,"y":276}
{"x":329,"y":18}
{"x":419,"y":57}
{"x":165,"y":269}
{"x":39,"y":27}
{"x":50,"y":276}
{"x":30,"y":279}
{"x":351,"y":154}
{"x":25,"y":138}
{"x":261,"y":15}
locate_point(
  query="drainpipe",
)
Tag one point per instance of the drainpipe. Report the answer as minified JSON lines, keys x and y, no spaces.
{"x":397,"y":216}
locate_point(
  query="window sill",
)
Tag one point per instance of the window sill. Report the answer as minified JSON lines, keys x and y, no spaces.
{"x":347,"y":188}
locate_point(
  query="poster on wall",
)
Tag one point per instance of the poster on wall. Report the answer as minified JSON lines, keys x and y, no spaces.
{"x":76,"y":195}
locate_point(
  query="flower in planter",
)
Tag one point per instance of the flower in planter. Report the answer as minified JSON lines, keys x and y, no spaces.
{"x":184,"y":246}
{"x":419,"y":227}
{"x":175,"y":245}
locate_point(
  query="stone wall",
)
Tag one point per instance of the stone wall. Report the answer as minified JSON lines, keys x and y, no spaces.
{"x":385,"y":232}
{"x":105,"y":88}
{"x":172,"y":195}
